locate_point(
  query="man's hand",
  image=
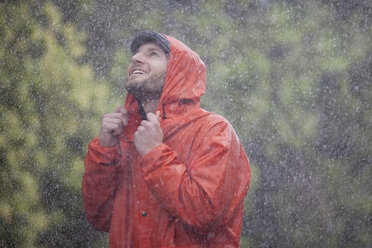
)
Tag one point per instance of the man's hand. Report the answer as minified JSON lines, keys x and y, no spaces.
{"x":112,"y":126}
{"x":149,"y":134}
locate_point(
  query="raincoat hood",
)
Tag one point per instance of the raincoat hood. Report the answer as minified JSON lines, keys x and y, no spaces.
{"x":185,"y":80}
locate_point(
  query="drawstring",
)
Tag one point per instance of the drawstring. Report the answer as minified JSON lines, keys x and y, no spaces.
{"x":143,"y":113}
{"x":164,"y":117}
{"x":141,"y":110}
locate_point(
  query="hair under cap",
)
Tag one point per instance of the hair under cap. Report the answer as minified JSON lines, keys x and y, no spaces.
{"x":144,"y":37}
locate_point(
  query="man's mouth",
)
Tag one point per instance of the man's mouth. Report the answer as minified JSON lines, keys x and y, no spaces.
{"x":138,"y":72}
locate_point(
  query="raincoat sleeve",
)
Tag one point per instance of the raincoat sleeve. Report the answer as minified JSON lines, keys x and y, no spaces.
{"x":205,"y":193}
{"x":99,"y":183}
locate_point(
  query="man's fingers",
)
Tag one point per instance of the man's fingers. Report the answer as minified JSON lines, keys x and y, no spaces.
{"x":113,"y":115}
{"x":120,"y":109}
{"x":119,"y":116}
{"x":123,"y":114}
{"x":112,"y":120}
{"x":123,"y":111}
{"x":140,"y":129}
{"x":112,"y":128}
{"x":117,"y":121}
{"x":113,"y":125}
{"x":144,"y":122}
{"x":153,"y":118}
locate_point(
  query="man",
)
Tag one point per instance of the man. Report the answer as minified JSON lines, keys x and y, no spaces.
{"x":164,"y":172}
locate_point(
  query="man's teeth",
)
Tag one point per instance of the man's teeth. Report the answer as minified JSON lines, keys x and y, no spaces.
{"x":138,"y":72}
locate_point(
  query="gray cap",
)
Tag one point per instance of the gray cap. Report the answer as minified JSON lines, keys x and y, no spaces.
{"x":144,"y":37}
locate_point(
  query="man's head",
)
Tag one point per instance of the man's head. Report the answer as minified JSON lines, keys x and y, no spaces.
{"x":147,"y":71}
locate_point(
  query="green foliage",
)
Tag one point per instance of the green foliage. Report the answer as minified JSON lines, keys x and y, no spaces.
{"x":294,"y":76}
{"x":49,"y":105}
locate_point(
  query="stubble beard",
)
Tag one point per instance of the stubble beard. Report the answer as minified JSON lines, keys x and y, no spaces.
{"x":146,"y":90}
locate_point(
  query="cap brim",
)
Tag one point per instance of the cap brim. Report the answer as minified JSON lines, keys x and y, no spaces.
{"x":150,"y":37}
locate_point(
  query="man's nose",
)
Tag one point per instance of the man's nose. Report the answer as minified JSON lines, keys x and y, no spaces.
{"x":137,"y":58}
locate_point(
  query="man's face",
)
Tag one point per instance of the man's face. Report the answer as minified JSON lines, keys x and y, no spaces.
{"x":146,"y":73}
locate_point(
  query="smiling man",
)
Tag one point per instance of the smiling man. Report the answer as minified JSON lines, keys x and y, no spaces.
{"x":146,"y":74}
{"x":164,"y":172}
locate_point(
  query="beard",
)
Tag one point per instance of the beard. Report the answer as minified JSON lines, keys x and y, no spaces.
{"x":146,"y":89}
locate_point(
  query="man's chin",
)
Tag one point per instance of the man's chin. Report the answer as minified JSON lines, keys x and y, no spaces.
{"x":134,"y":89}
{"x":133,"y":85}
{"x":143,"y":89}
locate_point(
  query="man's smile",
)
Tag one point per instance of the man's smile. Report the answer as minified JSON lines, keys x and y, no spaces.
{"x":138,"y":71}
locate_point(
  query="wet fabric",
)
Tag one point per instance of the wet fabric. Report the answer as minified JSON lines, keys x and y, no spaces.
{"x":187,"y":192}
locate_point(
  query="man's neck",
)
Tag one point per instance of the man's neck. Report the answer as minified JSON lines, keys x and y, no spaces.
{"x":150,"y":106}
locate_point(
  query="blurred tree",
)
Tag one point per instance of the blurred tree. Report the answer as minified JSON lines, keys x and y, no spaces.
{"x":293,"y":77}
{"x":292,"y":101}
{"x":49,"y":107}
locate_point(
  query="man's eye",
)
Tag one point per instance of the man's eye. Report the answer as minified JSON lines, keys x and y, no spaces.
{"x":153,"y":54}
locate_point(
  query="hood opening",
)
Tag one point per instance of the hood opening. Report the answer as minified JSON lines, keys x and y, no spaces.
{"x":184,"y":83}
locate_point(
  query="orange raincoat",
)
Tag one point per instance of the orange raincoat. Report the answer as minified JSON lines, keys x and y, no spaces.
{"x":187,"y":192}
